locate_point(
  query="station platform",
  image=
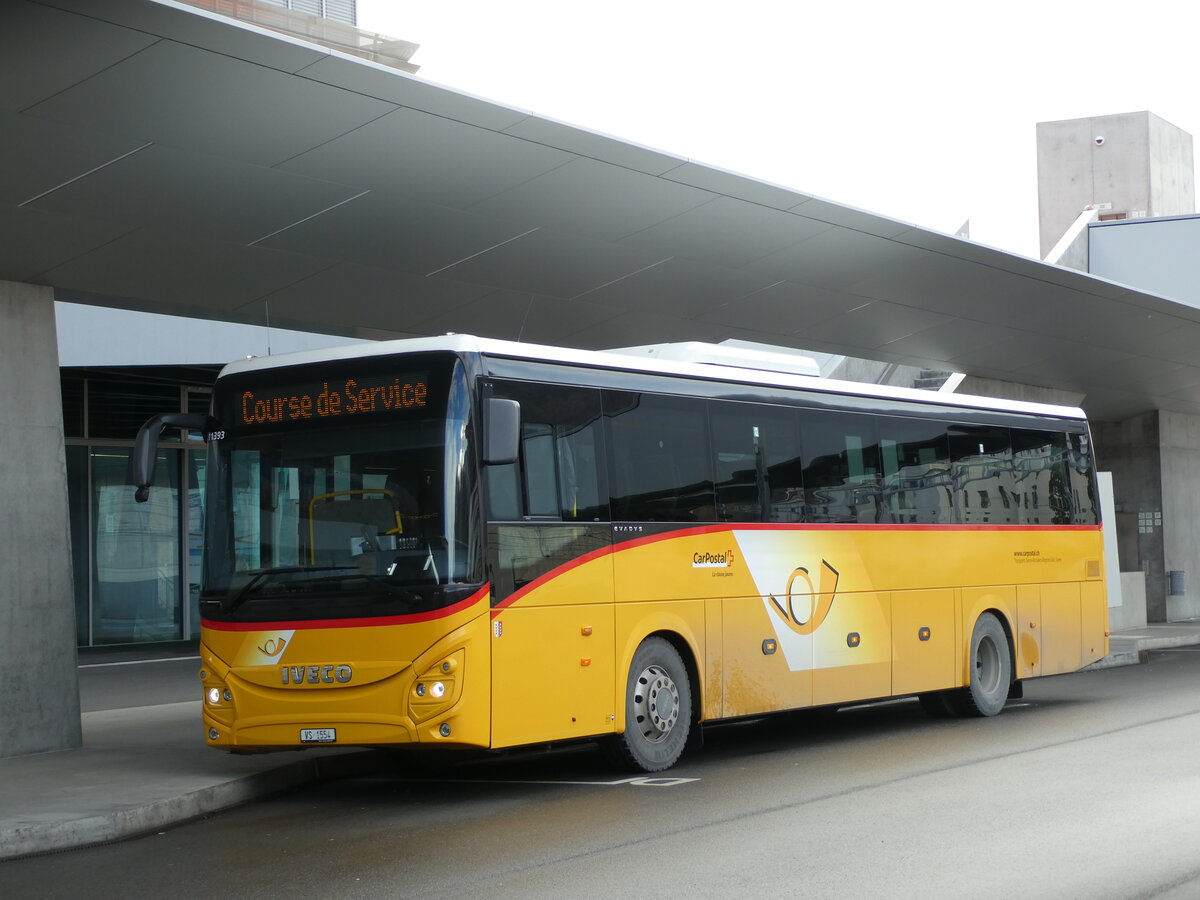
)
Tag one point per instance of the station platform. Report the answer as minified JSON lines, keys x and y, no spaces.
{"x":146,"y":768}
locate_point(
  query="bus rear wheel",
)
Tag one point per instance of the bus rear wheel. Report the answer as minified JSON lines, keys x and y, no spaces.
{"x":991,"y":676}
{"x":991,"y":670}
{"x":658,"y":709}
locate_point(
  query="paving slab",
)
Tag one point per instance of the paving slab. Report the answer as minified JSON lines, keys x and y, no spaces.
{"x":139,"y":770}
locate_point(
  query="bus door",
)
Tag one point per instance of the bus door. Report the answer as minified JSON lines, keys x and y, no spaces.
{"x":550,"y":563}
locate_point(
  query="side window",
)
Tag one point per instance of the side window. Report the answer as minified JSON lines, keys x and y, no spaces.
{"x":659,"y":458}
{"x":915,"y":485}
{"x":1082,"y":480}
{"x":984,"y":479}
{"x":1043,"y":481}
{"x":756,"y":460}
{"x":841,"y":467}
{"x":558,"y":475}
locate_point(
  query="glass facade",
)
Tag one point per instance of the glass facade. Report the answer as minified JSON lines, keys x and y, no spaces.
{"x":136,"y":565}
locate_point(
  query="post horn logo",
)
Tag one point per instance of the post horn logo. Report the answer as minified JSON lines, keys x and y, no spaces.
{"x":806,"y":621}
{"x":272,"y":646}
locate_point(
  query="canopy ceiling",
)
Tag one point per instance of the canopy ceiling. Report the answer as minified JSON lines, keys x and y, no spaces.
{"x":156,"y":157}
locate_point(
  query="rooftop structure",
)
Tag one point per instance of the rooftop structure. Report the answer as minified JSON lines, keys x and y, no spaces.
{"x":1127,"y":166}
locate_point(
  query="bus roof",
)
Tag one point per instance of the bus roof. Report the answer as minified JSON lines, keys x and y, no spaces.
{"x":615,"y":360}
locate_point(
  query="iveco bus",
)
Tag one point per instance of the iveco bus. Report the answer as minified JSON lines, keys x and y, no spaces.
{"x":465,"y":543}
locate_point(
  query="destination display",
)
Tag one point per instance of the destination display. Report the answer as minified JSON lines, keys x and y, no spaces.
{"x":332,"y":399}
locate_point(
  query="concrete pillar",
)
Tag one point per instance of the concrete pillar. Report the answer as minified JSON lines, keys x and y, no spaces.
{"x":1179,"y":443}
{"x":1132,"y":450}
{"x":39,"y":681}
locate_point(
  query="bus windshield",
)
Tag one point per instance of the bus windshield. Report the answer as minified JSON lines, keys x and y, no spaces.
{"x":340,"y":490}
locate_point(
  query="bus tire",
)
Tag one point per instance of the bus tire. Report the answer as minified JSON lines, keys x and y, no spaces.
{"x":658,"y":709}
{"x":991,"y":670}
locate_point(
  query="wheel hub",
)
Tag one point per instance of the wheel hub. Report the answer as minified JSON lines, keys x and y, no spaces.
{"x":987,"y":665}
{"x":656,"y":703}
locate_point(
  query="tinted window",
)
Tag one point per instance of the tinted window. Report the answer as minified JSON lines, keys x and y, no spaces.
{"x":558,"y":473}
{"x":1080,"y":464}
{"x":983,"y":475}
{"x":915,"y":485}
{"x":660,"y":459}
{"x":841,"y":467}
{"x":1042,"y":482}
{"x":756,"y":459}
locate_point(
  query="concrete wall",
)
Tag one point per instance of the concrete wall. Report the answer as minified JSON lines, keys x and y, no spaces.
{"x":1131,"y":451}
{"x":38,"y":677}
{"x":1010,"y":390}
{"x":1179,"y":437}
{"x":1074,"y":171}
{"x":1172,"y":170}
{"x":1142,"y":168}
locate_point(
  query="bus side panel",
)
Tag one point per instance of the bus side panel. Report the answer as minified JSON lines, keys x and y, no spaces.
{"x":975,"y":602}
{"x":924,"y":639}
{"x":683,"y":582}
{"x":852,"y":650}
{"x":714,"y":672}
{"x":1029,"y":631}
{"x":1094,"y":606}
{"x":553,"y":644}
{"x":761,"y":672}
{"x":552,"y":673}
{"x":1062,"y":628}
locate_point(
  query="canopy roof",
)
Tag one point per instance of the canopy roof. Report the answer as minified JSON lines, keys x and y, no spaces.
{"x":158,"y":157}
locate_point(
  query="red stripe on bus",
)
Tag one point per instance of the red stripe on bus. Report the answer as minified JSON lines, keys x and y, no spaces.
{"x":366,"y":622}
{"x":723,"y":528}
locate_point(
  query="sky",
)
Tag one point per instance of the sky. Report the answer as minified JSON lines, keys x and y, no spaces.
{"x":922,"y":111}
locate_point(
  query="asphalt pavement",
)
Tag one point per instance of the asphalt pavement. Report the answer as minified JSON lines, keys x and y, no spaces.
{"x":144,"y":764}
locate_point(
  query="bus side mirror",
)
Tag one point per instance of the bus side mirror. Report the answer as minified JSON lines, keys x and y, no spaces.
{"x":145,"y":446}
{"x":502,"y":430}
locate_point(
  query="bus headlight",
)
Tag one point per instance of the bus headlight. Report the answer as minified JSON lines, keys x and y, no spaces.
{"x":437,"y":688}
{"x":214,"y":696}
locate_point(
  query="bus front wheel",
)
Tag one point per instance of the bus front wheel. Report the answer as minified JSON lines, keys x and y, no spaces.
{"x":658,"y":709}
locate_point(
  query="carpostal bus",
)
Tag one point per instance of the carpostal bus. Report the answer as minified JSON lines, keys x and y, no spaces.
{"x":466,"y":543}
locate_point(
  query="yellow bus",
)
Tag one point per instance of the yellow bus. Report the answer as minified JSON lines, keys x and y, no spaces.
{"x":466,"y":543}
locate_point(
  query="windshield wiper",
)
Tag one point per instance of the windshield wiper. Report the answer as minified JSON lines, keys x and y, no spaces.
{"x":236,"y":600}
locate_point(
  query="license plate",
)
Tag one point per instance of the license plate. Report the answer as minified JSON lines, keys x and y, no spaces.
{"x":318,"y":735}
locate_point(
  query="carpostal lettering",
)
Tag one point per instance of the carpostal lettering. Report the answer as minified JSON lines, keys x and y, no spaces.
{"x":707,"y":560}
{"x":352,"y":397}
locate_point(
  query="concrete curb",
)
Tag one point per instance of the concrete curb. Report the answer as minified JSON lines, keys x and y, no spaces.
{"x":1115,"y":659}
{"x":1131,"y":650}
{"x":51,"y":837}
